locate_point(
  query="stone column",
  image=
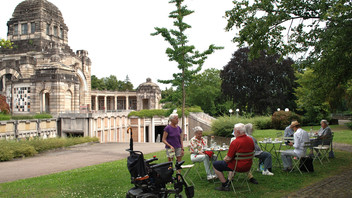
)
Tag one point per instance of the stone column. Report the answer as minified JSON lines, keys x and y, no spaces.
{"x":127,"y":103}
{"x":139,"y":130}
{"x":96,"y":103}
{"x":105,"y":107}
{"x":116,"y":103}
{"x":152,"y":130}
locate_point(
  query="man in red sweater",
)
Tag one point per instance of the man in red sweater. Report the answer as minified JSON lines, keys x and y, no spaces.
{"x":242,"y":144}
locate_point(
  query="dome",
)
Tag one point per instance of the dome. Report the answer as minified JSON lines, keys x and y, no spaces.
{"x":37,"y":9}
{"x":148,"y":86}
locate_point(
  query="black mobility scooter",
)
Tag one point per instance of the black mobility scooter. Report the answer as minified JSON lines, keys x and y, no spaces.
{"x":152,"y":180}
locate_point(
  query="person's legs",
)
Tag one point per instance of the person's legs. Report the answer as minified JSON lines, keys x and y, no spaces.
{"x":202,"y":158}
{"x":286,"y":158}
{"x":219,"y":167}
{"x":266,"y":157}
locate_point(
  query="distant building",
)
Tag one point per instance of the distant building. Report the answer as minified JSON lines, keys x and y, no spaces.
{"x":42,"y":73}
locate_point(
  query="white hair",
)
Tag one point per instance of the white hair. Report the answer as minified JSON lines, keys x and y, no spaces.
{"x":240,"y":127}
{"x":172,"y":116}
{"x":249,"y":128}
{"x":325,"y":121}
{"x":197,"y":129}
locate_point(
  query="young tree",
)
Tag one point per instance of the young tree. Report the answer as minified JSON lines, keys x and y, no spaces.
{"x":260,"y":85}
{"x":185,"y":55}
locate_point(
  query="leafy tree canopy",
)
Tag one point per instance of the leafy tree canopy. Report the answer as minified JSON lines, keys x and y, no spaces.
{"x":205,"y":91}
{"x":260,"y":85}
{"x":5,"y":44}
{"x":320,"y":29}
{"x":111,"y":83}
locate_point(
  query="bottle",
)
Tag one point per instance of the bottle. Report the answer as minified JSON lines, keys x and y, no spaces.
{"x":261,"y":166}
{"x":212,"y":142}
{"x":311,"y":132}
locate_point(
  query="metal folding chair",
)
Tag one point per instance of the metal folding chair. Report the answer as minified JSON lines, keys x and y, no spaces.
{"x":322,"y":150}
{"x":296,"y":161}
{"x":239,"y":157}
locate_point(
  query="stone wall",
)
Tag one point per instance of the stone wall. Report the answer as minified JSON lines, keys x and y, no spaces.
{"x":13,"y":129}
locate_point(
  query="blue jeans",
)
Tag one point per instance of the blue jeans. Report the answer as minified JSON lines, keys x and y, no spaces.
{"x":266,"y":158}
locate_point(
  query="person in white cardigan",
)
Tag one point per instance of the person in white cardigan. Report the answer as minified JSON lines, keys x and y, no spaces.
{"x":299,"y":137}
{"x":197,"y":145}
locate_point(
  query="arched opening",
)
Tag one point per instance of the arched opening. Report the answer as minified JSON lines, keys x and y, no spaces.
{"x":3,"y":79}
{"x":145,"y":104}
{"x":45,"y":102}
{"x":68,"y":101}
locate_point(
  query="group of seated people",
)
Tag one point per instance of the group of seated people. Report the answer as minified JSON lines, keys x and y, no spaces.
{"x":301,"y":136}
{"x":244,"y":142}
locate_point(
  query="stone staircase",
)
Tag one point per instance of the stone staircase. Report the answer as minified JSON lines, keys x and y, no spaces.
{"x":200,"y":119}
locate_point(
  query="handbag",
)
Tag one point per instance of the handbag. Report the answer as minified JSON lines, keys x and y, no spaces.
{"x":306,"y":164}
{"x":209,"y":153}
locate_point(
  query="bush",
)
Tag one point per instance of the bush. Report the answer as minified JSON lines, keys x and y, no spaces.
{"x":349,"y":125}
{"x":6,"y":153}
{"x":281,"y":119}
{"x":223,"y":126}
{"x":22,"y":117}
{"x":5,"y":116}
{"x":24,"y":148}
{"x":262,"y":122}
{"x":4,"y":107}
{"x":42,"y":116}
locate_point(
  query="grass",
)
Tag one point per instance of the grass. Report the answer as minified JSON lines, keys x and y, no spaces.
{"x":113,"y":179}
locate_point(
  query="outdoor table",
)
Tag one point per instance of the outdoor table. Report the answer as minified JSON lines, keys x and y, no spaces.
{"x":272,"y":146}
{"x":217,"y":152}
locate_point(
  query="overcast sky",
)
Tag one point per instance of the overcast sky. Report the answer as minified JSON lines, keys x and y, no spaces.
{"x":116,"y":34}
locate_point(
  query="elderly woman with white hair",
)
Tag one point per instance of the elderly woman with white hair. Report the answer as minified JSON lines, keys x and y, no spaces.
{"x":323,"y":134}
{"x":197,"y":145}
{"x":264,"y":157}
{"x":173,"y":139}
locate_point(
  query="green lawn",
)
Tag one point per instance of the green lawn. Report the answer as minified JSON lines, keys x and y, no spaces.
{"x":112,"y":179}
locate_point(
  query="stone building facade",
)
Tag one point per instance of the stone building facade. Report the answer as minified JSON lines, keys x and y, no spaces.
{"x":41,"y":73}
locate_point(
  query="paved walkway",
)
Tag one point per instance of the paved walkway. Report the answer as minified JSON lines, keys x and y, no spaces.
{"x":70,"y":158}
{"x":338,"y":186}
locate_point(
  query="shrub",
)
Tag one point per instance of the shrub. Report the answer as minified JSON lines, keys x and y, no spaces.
{"x":281,"y":119}
{"x":149,"y":113}
{"x":6,"y":153}
{"x":22,"y":117}
{"x":349,"y":125}
{"x":42,"y":116}
{"x":4,"y":107}
{"x":24,"y":148}
{"x":223,"y":126}
{"x":5,"y":116}
{"x":262,"y":122}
